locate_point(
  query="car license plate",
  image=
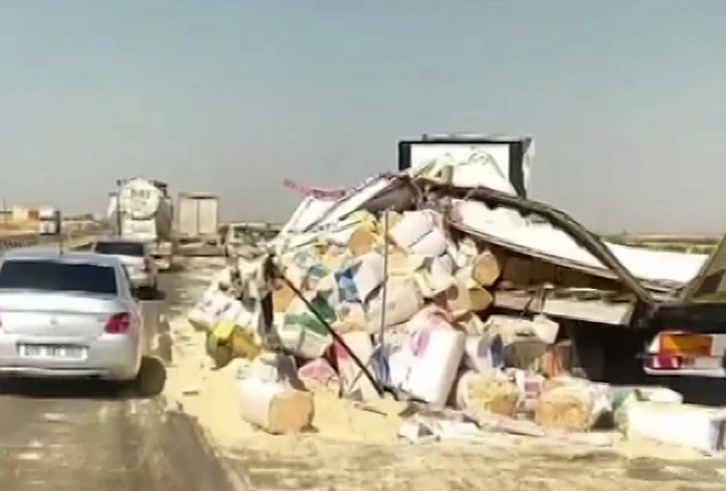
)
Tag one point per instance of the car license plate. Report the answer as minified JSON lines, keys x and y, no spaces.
{"x":52,"y":351}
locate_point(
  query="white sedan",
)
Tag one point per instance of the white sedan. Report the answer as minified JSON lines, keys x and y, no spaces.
{"x":68,"y":315}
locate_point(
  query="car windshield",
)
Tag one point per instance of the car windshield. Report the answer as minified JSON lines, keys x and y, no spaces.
{"x":120,"y":248}
{"x":57,"y":277}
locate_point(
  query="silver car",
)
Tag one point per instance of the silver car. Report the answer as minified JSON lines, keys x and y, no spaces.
{"x":68,"y":315}
{"x":135,"y":256}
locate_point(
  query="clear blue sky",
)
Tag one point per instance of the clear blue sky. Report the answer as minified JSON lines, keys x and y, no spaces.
{"x":626,"y":99}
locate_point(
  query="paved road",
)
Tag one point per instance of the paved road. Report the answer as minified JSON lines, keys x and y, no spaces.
{"x":76,"y":436}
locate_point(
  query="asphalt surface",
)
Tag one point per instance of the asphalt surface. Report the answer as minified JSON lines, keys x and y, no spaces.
{"x":58,"y":435}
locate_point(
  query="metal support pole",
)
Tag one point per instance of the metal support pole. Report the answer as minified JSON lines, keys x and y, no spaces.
{"x":118,"y":208}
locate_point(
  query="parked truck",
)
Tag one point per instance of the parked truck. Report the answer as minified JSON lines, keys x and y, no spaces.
{"x":49,"y":221}
{"x":141,"y":209}
{"x":198,"y":217}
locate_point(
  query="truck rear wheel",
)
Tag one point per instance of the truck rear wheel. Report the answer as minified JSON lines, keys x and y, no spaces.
{"x":607,"y":353}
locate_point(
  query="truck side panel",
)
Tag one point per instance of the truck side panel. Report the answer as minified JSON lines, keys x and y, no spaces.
{"x":208,"y":216}
{"x":186,"y":217}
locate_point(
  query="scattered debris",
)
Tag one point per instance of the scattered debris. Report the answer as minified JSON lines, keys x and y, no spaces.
{"x":685,"y":425}
{"x":272,"y":398}
{"x":386,"y":295}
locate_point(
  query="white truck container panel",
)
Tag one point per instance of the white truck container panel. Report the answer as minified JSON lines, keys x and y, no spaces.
{"x":208,"y":216}
{"x":49,"y":221}
{"x":186,"y":218}
{"x":197,"y":215}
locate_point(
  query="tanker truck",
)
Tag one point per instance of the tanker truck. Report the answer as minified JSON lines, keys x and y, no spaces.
{"x":142,"y":210}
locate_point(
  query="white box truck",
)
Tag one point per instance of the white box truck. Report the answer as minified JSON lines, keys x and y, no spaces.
{"x":198,"y":217}
{"x":49,"y":221}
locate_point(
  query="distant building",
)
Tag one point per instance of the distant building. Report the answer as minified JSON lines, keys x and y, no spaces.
{"x":25,"y":213}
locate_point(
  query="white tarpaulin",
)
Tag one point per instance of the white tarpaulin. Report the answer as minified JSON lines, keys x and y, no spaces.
{"x":510,"y":228}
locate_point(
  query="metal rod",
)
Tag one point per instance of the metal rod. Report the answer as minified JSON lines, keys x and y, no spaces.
{"x":384,"y":288}
{"x":58,"y":219}
{"x":118,"y":208}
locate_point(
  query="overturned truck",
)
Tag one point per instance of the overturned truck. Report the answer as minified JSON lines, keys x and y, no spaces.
{"x":625,"y":312}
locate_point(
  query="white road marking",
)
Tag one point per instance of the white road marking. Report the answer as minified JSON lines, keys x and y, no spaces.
{"x":29,"y":456}
{"x":55,"y":417}
{"x":103,"y":413}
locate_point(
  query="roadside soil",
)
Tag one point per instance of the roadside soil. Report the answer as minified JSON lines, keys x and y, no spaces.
{"x":353,"y":449}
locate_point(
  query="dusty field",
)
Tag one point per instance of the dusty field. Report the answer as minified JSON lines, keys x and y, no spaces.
{"x":675,"y":243}
{"x":354,"y":449}
{"x":9,"y":230}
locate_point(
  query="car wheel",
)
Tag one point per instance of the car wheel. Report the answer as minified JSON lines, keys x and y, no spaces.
{"x":149,"y":381}
{"x":143,"y":293}
{"x":151,"y":378}
{"x":149,"y":292}
{"x":125,"y":389}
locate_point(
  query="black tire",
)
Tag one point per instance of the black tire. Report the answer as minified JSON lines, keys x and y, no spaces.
{"x":144,"y":293}
{"x":149,"y":382}
{"x":125,"y":389}
{"x":149,"y":292}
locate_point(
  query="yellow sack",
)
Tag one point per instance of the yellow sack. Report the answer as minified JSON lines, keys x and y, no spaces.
{"x":223,"y":330}
{"x":226,"y":341}
{"x":244,"y":345}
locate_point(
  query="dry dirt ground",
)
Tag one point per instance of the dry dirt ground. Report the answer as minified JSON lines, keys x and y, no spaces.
{"x":356,"y":450}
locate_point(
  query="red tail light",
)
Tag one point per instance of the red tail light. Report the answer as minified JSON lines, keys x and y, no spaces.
{"x":664,"y":362}
{"x":118,"y":323}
